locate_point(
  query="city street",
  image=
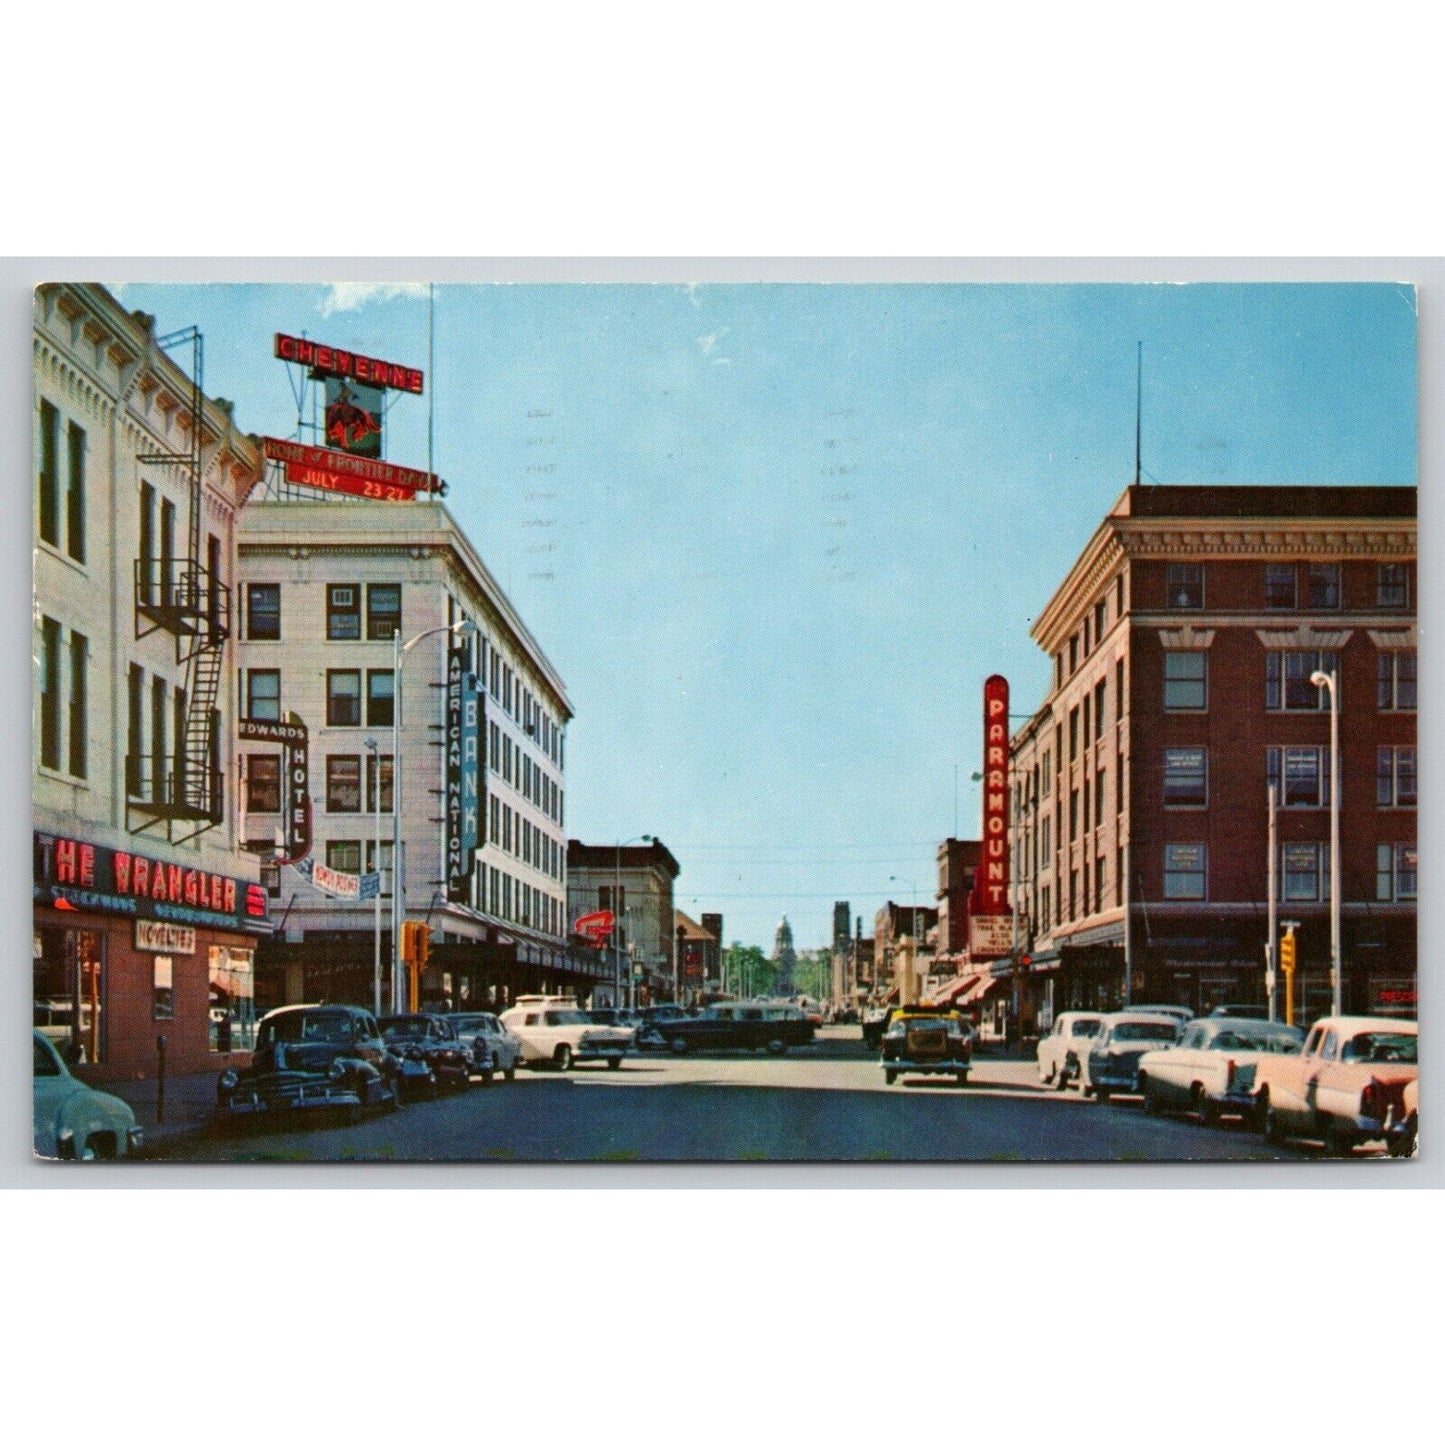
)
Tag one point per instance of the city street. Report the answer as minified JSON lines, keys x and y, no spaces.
{"x":823,"y":1102}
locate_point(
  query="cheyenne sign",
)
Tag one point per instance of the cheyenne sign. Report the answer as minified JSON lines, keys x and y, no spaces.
{"x":332,"y":361}
{"x":989,"y":898}
{"x":332,"y":471}
{"x":87,"y":876}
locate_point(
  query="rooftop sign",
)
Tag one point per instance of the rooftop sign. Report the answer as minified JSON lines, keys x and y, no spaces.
{"x":332,"y":361}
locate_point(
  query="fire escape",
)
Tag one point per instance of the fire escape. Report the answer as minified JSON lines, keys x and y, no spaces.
{"x":183,"y":791}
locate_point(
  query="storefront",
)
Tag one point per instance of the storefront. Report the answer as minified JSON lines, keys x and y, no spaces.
{"x":131,"y":950}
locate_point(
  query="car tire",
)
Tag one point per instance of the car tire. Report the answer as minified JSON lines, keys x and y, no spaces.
{"x":1152,"y":1102}
{"x":890,"y":1076}
{"x":1337,"y":1146}
{"x":1102,"y":1094}
{"x":1205,"y":1109}
{"x":1061,"y":1078}
{"x":961,"y":1078}
{"x":1047,"y":1080}
{"x":1273,"y":1124}
{"x":510,"y":1075}
{"x":678,"y":1044}
{"x":614,"y":1063}
{"x":777,"y":1046}
{"x":562,"y":1058}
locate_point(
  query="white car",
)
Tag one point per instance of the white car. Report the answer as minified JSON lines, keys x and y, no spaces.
{"x":1211,"y":1070}
{"x":555,"y":1033}
{"x":74,"y":1121}
{"x":1059,"y":1049}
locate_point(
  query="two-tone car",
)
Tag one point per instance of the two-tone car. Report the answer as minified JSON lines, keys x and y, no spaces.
{"x":1111,"y":1064}
{"x":1211,"y":1071}
{"x":555,"y":1033}
{"x":1058,"y":1051}
{"x":926,"y":1039}
{"x":74,"y":1121}
{"x":1345,"y":1085}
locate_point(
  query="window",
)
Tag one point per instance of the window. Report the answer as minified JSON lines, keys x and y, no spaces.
{"x":148,"y":541}
{"x":1395,"y":872}
{"x":1073,"y":654}
{"x":1186,"y":681}
{"x":343,"y":783}
{"x":50,"y":692}
{"x":78,"y":651}
{"x":343,"y":699}
{"x":1305,"y":869}
{"x":1325,"y":585}
{"x":168,"y":549}
{"x":158,"y":738}
{"x":1099,"y":691}
{"x":1300,"y":776}
{"x":1046,"y":834}
{"x":1395,"y":673}
{"x":1287,"y":685}
{"x":49,"y":507}
{"x":1073,"y":733}
{"x":162,"y":997}
{"x":263,"y":612}
{"x":135,"y":724}
{"x":386,"y":804}
{"x":1392,"y":585}
{"x":1073,"y":814}
{"x":1099,"y":798}
{"x":383,"y":611}
{"x":1279,"y":584}
{"x":343,"y":613}
{"x":1098,"y":885}
{"x":1186,"y":781}
{"x":1046,"y":774}
{"x":75,"y":493}
{"x":1184,"y":870}
{"x":263,"y":694}
{"x":344,"y":855}
{"x":1087,"y":729}
{"x":1099,"y":612}
{"x":263,"y":783}
{"x":1395,"y":777}
{"x":1185,"y":585}
{"x":385,"y":863}
{"x":379,"y":697}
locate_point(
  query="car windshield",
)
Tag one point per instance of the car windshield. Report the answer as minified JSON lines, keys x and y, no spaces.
{"x":1086,"y":1028}
{"x":1381,"y":1048}
{"x":1140,"y":1030}
{"x":326,"y":1028}
{"x":558,"y":1018}
{"x":404,"y":1028}
{"x":46,"y":1064}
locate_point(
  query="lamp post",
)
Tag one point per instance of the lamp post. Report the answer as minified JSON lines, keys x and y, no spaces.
{"x":1329,"y":680}
{"x":617,"y":913}
{"x":374,"y":748}
{"x":462,"y":627}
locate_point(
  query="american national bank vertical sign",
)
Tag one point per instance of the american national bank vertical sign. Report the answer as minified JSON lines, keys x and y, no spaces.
{"x":990,"y":918}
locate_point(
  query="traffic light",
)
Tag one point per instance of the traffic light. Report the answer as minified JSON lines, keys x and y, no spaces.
{"x":422,"y":947}
{"x":1286,"y":951}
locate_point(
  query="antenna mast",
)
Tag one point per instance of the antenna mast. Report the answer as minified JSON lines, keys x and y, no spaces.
{"x":1138,"y":410}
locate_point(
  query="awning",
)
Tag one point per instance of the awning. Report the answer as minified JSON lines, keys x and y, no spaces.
{"x":948,"y":992}
{"x":977,"y":986}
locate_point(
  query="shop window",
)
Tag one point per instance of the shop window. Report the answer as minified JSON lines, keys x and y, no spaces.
{"x":1395,"y":875}
{"x":1287,"y":685}
{"x":263,"y":612}
{"x":263,"y":783}
{"x":1395,"y":777}
{"x":1395,"y":681}
{"x":1392,"y":585}
{"x":263,"y":694}
{"x":163,"y":1003}
{"x":343,"y":612}
{"x":68,"y":991}
{"x":343,"y":783}
{"x":343,"y":699}
{"x":1185,"y":585}
{"x":1185,"y":870}
{"x":383,"y":611}
{"x":1300,"y":776}
{"x":1279,"y":584}
{"x":1186,"y":681}
{"x":379,"y":699}
{"x":233,"y":998}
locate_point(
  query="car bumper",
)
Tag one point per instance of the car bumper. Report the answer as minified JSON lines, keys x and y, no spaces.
{"x":935,"y":1066}
{"x":244,"y":1101}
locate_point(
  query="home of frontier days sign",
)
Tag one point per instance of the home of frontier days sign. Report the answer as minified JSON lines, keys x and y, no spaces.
{"x":990,"y":918}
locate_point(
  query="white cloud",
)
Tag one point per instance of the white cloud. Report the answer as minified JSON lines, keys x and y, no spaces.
{"x":709,"y":342}
{"x":353,"y":295}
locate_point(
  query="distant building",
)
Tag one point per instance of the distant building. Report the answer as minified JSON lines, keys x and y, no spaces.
{"x":895,"y":921}
{"x":957,"y":861}
{"x":635,"y":883}
{"x":699,"y":960}
{"x":844,"y":974}
{"x":712,"y":949}
{"x":784,"y":957}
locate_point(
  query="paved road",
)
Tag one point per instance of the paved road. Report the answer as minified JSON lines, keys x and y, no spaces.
{"x":827,"y":1102}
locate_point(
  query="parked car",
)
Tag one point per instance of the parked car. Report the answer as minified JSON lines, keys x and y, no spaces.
{"x":73,"y":1121}
{"x":1402,"y":1126}
{"x":314,"y":1058}
{"x":758,"y":1024}
{"x":648,"y":1036}
{"x":1344,"y":1086}
{"x":1171,"y":1010}
{"x":494,"y":1047}
{"x":1058,"y":1051}
{"x":1239,"y":1011}
{"x":555,"y":1033}
{"x":1111,"y":1063}
{"x":875,"y":1021}
{"x":927,"y":1040}
{"x":1210,"y":1072}
{"x":431,"y":1041}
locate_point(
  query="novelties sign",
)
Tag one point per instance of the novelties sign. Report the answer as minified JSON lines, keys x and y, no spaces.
{"x":988,"y":906}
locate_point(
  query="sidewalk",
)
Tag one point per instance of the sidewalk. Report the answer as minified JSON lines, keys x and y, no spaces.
{"x":190,"y":1098}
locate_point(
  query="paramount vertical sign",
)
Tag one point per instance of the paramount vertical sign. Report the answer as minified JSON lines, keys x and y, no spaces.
{"x":989,"y":912}
{"x":463,"y":774}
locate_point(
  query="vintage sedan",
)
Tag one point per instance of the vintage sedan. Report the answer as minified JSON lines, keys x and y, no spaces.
{"x":74,"y":1121}
{"x":1111,"y":1063}
{"x":312,"y":1059}
{"x":1344,"y":1085}
{"x":428,"y":1040}
{"x":1058,"y":1052}
{"x":648,"y":1036}
{"x":756,"y":1024}
{"x":1210,"y":1072}
{"x":555,"y":1033}
{"x":927,"y":1040}
{"x":495,"y":1049}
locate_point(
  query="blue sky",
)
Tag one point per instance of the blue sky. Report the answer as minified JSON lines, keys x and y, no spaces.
{"x":774,"y":536}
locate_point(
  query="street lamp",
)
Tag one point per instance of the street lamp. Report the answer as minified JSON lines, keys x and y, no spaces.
{"x":374,"y":748}
{"x":462,"y":627}
{"x":1328,"y":680}
{"x":617,"y":914}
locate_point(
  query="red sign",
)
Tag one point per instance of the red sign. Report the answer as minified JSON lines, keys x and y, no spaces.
{"x":332,"y":361}
{"x":990,"y":884}
{"x":340,"y":472}
{"x":594,"y":927}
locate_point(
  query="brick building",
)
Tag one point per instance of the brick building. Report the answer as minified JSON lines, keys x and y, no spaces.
{"x":1183,"y":640}
{"x":635,"y":882}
